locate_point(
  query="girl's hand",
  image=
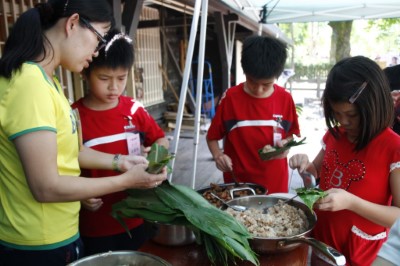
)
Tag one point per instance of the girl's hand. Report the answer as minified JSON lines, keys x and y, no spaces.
{"x":92,"y":204}
{"x":299,"y":162}
{"x":336,"y":200}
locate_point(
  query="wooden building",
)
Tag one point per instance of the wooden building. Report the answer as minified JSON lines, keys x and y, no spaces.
{"x":160,"y":31}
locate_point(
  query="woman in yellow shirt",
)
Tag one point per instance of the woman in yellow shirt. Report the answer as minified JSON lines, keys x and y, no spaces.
{"x":40,"y":157}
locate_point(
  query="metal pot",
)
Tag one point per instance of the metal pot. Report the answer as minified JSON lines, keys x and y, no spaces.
{"x":173,"y":235}
{"x":283,"y":244}
{"x":116,"y":258}
{"x":232,"y":189}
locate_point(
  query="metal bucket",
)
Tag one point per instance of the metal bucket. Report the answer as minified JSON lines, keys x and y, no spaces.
{"x":173,"y":235}
{"x":117,"y":258}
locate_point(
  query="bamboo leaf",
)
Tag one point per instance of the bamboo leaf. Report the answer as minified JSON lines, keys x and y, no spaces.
{"x":222,"y":235}
{"x":278,"y":150}
{"x":158,"y":158}
{"x":310,"y":196}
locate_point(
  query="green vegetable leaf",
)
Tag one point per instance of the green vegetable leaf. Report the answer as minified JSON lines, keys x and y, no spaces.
{"x":158,"y":158}
{"x":278,"y":150}
{"x":310,"y":196}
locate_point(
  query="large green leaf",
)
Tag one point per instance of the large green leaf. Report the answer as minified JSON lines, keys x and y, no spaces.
{"x":222,"y":235}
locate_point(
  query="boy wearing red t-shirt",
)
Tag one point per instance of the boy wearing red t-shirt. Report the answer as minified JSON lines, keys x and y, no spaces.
{"x":115,"y":124}
{"x":254,"y":114}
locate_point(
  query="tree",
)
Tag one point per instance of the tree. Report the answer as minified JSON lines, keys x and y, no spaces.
{"x":340,"y":40}
{"x":389,"y":32}
{"x":298,"y":32}
{"x":384,"y":24}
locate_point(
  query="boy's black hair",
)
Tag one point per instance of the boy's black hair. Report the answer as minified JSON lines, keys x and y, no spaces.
{"x":374,"y":104}
{"x":26,"y":41}
{"x":117,"y":54}
{"x":393,"y":75}
{"x":263,"y":57}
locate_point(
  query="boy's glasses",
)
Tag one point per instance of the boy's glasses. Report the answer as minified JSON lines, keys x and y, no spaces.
{"x":358,"y":92}
{"x":102,"y":41}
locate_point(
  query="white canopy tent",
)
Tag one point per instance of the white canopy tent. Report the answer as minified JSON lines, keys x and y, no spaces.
{"x":271,"y":12}
{"x":286,"y":11}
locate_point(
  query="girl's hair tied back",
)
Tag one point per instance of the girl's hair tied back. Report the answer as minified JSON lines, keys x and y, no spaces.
{"x":46,"y":13}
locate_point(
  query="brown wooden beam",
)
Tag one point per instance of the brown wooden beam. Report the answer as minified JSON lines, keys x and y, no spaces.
{"x":179,"y":22}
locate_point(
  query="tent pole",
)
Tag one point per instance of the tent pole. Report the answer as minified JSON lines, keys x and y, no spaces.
{"x":199,"y":86}
{"x":184,"y":86}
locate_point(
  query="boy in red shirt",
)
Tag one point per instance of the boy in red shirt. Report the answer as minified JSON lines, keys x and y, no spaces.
{"x":116,"y":124}
{"x":254,"y":114}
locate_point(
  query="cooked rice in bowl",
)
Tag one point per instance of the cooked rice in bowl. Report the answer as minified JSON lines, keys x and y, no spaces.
{"x":280,"y":220}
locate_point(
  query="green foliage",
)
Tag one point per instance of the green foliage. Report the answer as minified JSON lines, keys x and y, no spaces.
{"x":298,"y":31}
{"x":383,"y":25}
{"x":313,"y":41}
{"x":310,"y":72}
{"x":388,"y":30}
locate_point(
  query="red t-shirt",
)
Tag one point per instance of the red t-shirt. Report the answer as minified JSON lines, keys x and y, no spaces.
{"x":247,"y":125}
{"x":104,"y":131}
{"x":366,"y":175}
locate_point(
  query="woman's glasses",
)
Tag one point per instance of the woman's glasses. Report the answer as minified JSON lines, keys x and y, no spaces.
{"x":102,"y":41}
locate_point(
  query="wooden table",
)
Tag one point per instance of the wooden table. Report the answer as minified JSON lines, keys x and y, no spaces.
{"x":195,"y":255}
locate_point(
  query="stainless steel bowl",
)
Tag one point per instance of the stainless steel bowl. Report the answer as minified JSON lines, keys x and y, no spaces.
{"x":118,"y":258}
{"x":173,"y":235}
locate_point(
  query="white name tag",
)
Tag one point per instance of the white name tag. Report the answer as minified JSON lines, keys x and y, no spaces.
{"x":277,"y":137}
{"x":133,"y":142}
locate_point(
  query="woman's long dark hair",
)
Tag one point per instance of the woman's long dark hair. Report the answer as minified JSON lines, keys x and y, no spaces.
{"x":374,"y":104}
{"x":27,"y":40}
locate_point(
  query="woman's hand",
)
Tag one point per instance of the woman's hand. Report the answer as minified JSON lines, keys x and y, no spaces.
{"x":137,"y":177}
{"x":336,"y":200}
{"x":92,"y":204}
{"x":126,"y":162}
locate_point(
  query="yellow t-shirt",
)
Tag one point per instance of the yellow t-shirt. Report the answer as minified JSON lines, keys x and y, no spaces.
{"x":30,"y":102}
